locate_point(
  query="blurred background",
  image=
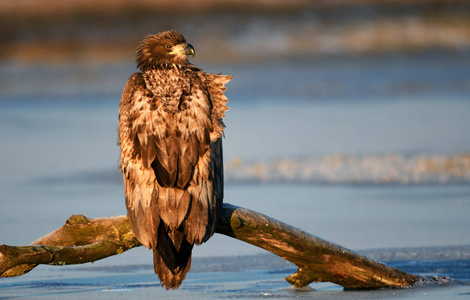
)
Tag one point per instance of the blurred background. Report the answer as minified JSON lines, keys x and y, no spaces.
{"x":349,"y":119}
{"x":107,"y":31}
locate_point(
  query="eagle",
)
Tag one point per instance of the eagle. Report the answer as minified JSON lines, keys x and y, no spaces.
{"x":170,"y":138}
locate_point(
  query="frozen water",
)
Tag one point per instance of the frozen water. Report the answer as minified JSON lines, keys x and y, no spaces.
{"x":59,"y":157}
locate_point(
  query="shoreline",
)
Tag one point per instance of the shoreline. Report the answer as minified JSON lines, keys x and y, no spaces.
{"x":231,"y":32}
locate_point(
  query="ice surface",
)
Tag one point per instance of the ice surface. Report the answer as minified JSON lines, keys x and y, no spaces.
{"x":59,"y":157}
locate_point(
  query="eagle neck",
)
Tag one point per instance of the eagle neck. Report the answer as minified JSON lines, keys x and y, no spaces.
{"x":162,"y":66}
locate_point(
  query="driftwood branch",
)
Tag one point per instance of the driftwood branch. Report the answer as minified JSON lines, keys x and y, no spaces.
{"x":79,"y":240}
{"x":83,"y":240}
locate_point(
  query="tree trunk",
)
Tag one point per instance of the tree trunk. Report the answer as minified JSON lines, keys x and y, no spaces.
{"x":82,"y":240}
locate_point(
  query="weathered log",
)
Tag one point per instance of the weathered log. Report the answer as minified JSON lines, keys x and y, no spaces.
{"x":82,"y":240}
{"x":89,"y":239}
{"x":317,"y":259}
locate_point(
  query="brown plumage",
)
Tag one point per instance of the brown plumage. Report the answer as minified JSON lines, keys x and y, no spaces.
{"x":170,"y":134}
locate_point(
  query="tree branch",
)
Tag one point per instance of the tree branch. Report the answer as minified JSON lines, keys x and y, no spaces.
{"x":82,"y":240}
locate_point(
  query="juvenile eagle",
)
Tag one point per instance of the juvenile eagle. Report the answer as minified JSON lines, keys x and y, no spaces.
{"x":170,"y":135}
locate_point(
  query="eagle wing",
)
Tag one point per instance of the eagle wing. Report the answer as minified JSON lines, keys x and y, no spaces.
{"x":139,"y":181}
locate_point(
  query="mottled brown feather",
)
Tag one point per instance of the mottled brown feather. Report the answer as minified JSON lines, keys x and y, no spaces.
{"x":170,"y":130}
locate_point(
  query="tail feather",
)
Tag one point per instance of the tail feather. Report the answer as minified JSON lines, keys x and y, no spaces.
{"x":171,"y":257}
{"x":168,"y":278}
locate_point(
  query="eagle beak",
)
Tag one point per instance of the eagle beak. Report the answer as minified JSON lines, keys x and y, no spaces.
{"x":189,"y":50}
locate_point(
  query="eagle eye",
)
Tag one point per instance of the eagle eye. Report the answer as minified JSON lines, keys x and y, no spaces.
{"x":168,"y":46}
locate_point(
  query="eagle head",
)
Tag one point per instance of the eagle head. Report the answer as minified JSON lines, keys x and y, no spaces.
{"x":169,"y":47}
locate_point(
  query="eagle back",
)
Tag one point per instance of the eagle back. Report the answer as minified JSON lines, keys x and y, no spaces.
{"x":169,"y":120}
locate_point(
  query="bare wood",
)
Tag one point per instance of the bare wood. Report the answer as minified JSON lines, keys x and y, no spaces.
{"x":317,"y":259}
{"x":89,"y":239}
{"x":83,"y":240}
